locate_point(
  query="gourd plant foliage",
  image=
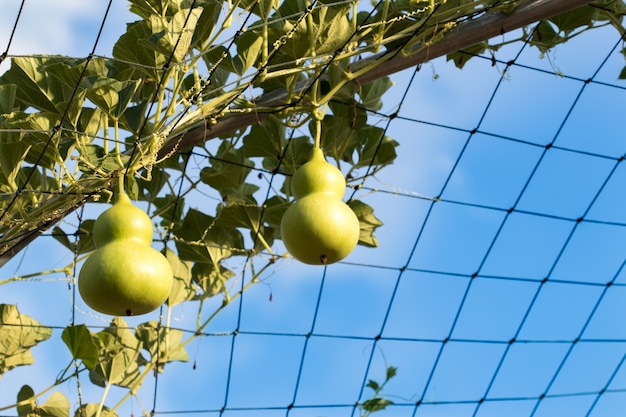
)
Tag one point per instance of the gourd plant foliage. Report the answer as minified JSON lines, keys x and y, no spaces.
{"x":70,"y":128}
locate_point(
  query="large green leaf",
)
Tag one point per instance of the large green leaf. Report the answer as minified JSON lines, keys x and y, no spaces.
{"x":80,"y":341}
{"x":40,"y":89}
{"x":372,"y":92}
{"x":199,"y":240}
{"x":164,"y":345}
{"x":249,"y":46}
{"x":375,"y":148}
{"x":266,"y":139}
{"x":111,"y":96}
{"x":85,"y":243}
{"x":91,"y":410}
{"x":183,"y":288}
{"x":210,"y":278}
{"x":368,"y":223}
{"x":57,"y":405}
{"x":119,"y":356}
{"x":18,"y":333}
{"x":229,"y":169}
{"x":7,"y":98}
{"x":131,"y":47}
{"x":11,"y":157}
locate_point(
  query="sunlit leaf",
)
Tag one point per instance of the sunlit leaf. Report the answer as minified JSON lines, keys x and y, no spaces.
{"x":162,"y":343}
{"x":119,"y":356}
{"x":7,"y":98}
{"x":112,"y":96}
{"x":371,"y":93}
{"x":211,"y":279}
{"x":11,"y":157}
{"x":183,"y":288}
{"x":57,"y":405}
{"x":91,"y":410}
{"x":85,"y":242}
{"x":80,"y":342}
{"x":201,"y":241}
{"x":368,"y":222}
{"x":249,"y":46}
{"x":228,"y":169}
{"x":18,"y":333}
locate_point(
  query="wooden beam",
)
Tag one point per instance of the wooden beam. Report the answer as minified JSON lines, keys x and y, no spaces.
{"x":465,"y":35}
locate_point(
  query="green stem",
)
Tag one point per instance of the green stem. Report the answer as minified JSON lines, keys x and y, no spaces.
{"x":104,"y":396}
{"x":118,"y":154}
{"x":36,"y":274}
{"x":41,"y":393}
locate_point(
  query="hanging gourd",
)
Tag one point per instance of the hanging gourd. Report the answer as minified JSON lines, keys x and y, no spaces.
{"x":124,"y":276}
{"x":319,"y":228}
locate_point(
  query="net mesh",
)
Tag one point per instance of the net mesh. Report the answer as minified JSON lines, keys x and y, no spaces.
{"x":497,"y":287}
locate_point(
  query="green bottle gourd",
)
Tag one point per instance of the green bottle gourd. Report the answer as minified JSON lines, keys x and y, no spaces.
{"x":319,"y":228}
{"x":124,"y":276}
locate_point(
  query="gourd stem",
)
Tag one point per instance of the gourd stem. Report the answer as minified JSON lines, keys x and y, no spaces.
{"x":318,"y":133}
{"x":120,"y":185}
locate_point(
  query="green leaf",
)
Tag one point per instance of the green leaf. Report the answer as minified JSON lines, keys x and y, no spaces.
{"x":229,"y":169}
{"x":149,"y":189}
{"x":91,"y":410}
{"x":119,"y":356}
{"x":81,"y":344}
{"x":11,"y":157}
{"x":161,"y":343}
{"x":569,"y":21}
{"x":373,"y":385}
{"x":368,"y":222}
{"x":240,"y":215}
{"x":266,"y":139}
{"x":391,"y":372}
{"x":183,"y":289}
{"x":374,"y":151}
{"x":57,"y":405}
{"x":544,"y":36}
{"x":211,"y":279}
{"x":376,"y":404}
{"x":7,"y":98}
{"x":249,"y":46}
{"x":85,"y":242}
{"x":170,"y":209}
{"x":145,"y":8}
{"x":200,"y":241}
{"x":33,"y":87}
{"x":18,"y":333}
{"x":111,"y":96}
{"x":371,"y":93}
{"x":461,"y":57}
{"x":94,"y":156}
{"x":334,"y":29}
{"x":211,"y":12}
{"x":131,"y":47}
{"x":275,"y":208}
{"x":26,"y":393}
{"x":40,"y":127}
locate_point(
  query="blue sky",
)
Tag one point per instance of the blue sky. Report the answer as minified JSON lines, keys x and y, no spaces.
{"x":416,"y":289}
